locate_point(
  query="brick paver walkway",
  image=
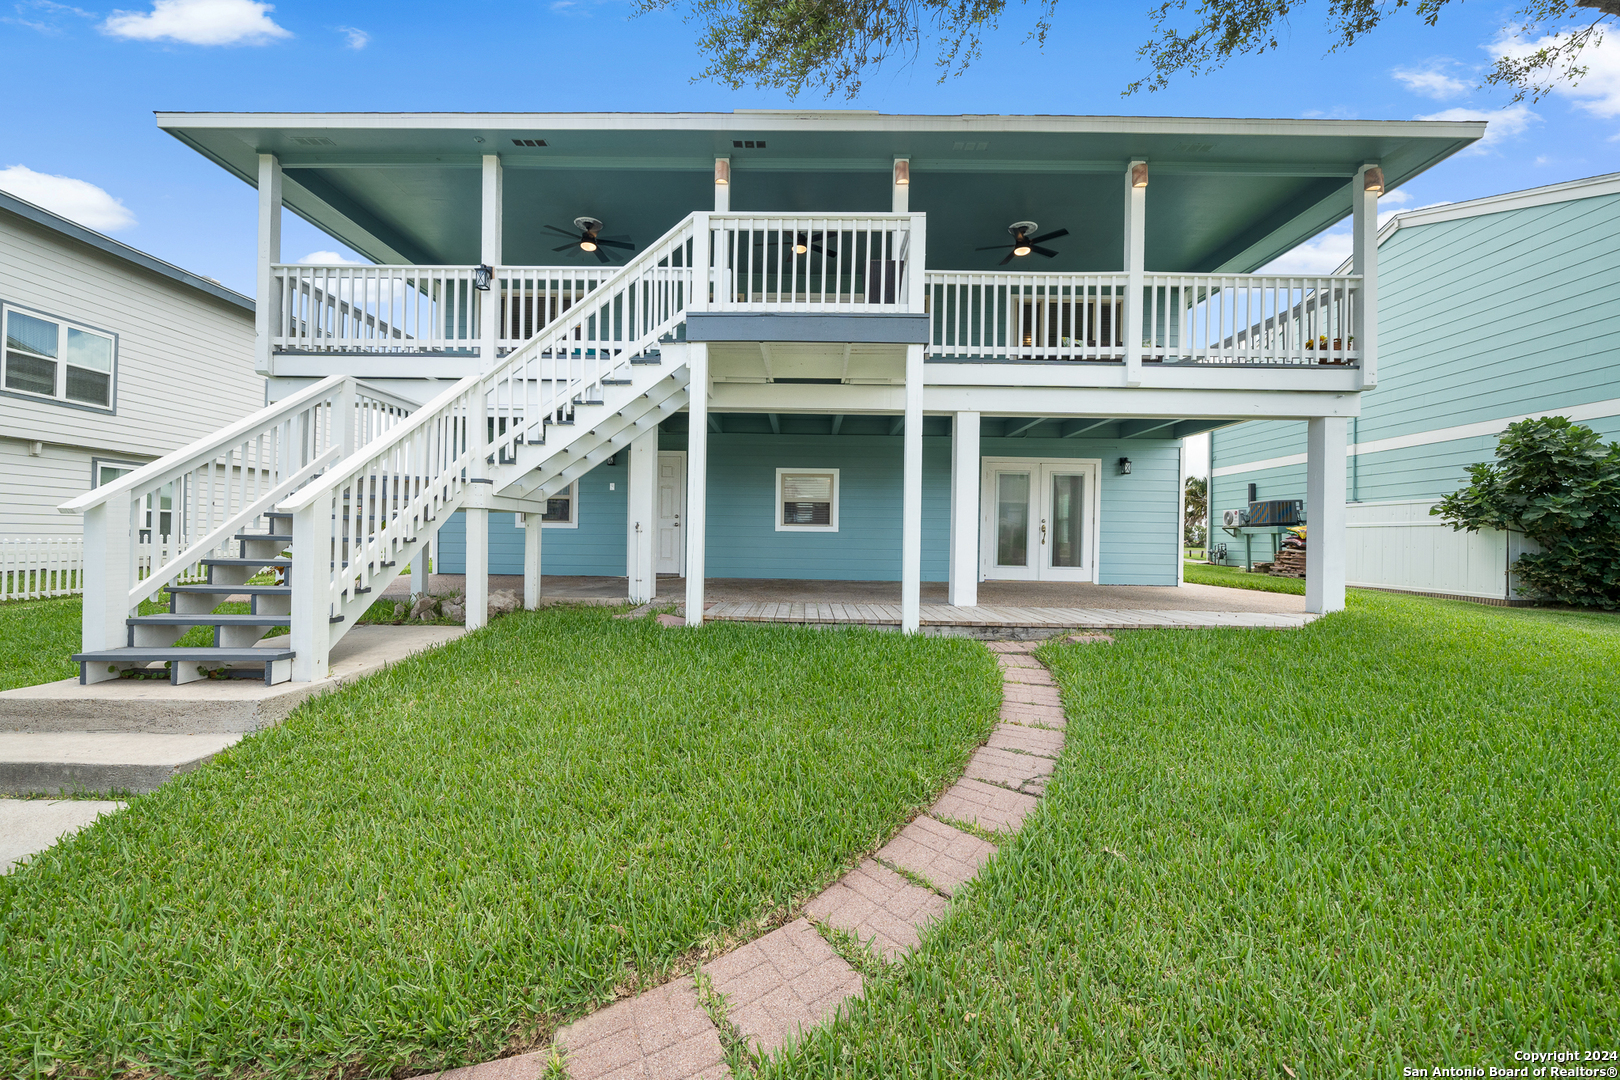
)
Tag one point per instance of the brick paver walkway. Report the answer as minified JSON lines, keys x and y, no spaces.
{"x":779,"y":986}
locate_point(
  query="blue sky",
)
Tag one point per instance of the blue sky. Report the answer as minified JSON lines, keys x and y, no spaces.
{"x":83,"y":83}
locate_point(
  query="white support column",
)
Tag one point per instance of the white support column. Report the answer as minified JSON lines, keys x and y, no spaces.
{"x":489,"y":250}
{"x":965,"y":469}
{"x":911,"y":497}
{"x":477,"y":595}
{"x":1325,"y":439}
{"x":722,"y":185}
{"x":1364,"y":261}
{"x":420,"y":566}
{"x":1135,"y":256}
{"x":109,"y":557}
{"x":901,"y":185}
{"x":532,"y":533}
{"x":268,"y":309}
{"x":310,"y":581}
{"x":641,"y":521}
{"x":697,"y":475}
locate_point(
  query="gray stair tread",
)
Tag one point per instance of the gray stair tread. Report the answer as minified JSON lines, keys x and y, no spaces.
{"x":149,"y":654}
{"x":110,"y":747}
{"x":279,"y":538}
{"x":247,"y":560}
{"x":195,"y":619}
{"x":226,"y":590}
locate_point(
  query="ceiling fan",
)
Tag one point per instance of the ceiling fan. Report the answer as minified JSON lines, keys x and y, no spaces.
{"x":584,"y":237}
{"x":1023,"y":243}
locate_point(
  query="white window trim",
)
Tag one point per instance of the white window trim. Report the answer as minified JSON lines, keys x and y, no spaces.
{"x":573,"y":511}
{"x":59,"y":398}
{"x":776,"y":505}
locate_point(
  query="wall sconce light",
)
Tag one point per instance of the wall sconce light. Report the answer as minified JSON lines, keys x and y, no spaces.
{"x":722,"y":171}
{"x":1139,"y":174}
{"x":902,"y":171}
{"x":1124,"y":466}
{"x":481,"y":277}
{"x":1373,"y":179}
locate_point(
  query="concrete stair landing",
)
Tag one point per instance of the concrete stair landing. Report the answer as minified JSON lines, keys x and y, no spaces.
{"x":53,"y":763}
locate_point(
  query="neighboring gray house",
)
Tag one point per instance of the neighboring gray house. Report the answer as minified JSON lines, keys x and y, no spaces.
{"x":112,"y":358}
{"x":1490,"y":311}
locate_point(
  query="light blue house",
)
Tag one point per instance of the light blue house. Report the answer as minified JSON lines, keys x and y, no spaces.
{"x":1490,"y":311}
{"x":811,"y":344}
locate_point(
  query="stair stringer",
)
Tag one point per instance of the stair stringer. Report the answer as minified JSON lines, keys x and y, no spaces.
{"x":654,"y":392}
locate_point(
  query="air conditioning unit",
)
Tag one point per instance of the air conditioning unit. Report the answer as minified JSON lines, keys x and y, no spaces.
{"x":1276,"y":512}
{"x":1233,"y":519}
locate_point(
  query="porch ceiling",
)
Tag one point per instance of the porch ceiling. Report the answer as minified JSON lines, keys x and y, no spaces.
{"x":1226,"y":195}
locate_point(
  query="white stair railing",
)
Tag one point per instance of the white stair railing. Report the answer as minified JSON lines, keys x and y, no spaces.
{"x":153,"y":525}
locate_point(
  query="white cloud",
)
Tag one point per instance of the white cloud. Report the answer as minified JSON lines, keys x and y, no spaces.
{"x":1432,"y":81}
{"x":1598,"y":91}
{"x":357,"y":38}
{"x":328,"y":258}
{"x":1319,"y":255}
{"x":199,"y":22}
{"x":76,"y":200}
{"x":1503,"y":123}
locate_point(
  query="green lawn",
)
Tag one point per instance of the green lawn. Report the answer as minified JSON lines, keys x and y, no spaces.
{"x":1238,"y":578}
{"x":1387,"y":839}
{"x":451,"y":857}
{"x":36,"y":637}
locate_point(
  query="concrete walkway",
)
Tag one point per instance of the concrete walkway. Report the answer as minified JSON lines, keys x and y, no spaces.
{"x":767,"y":993}
{"x":31,"y":825}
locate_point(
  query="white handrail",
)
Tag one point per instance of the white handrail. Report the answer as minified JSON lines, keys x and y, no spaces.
{"x":814,"y":262}
{"x":1026,"y":316}
{"x":1246,"y":319}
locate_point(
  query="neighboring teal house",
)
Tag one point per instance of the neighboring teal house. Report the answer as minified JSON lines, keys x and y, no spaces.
{"x":1490,"y":311}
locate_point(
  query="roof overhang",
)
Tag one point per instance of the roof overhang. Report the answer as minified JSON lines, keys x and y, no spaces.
{"x":1225,"y":194}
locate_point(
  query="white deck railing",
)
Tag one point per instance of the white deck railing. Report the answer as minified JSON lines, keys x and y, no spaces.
{"x":195,"y":500}
{"x":1033,"y":316}
{"x":819,"y":263}
{"x":1243,"y":319}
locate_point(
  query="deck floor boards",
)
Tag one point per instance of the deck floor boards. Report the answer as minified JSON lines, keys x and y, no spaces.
{"x":999,"y":617}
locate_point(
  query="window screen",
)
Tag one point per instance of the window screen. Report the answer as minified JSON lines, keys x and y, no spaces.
{"x":807,"y":498}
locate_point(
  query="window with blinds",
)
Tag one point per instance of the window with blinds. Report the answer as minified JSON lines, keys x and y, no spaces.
{"x":807,"y":499}
{"x":49,"y":358}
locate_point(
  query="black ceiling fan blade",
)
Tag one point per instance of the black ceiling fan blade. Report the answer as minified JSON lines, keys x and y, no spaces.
{"x":820,"y":251}
{"x":1048,"y":236}
{"x":1007,"y":260}
{"x":567,"y":247}
{"x":995,"y":247}
{"x":616,"y":243}
{"x":1048,"y":252}
{"x":602,"y":256}
{"x":562,"y":232}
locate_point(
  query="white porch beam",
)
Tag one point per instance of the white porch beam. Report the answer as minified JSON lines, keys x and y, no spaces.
{"x":911,"y":497}
{"x":1143,"y":402}
{"x":1364,"y":261}
{"x":1325,"y":448}
{"x":268,"y":308}
{"x":641,"y":529}
{"x":489,"y":253}
{"x":533,"y":531}
{"x":964,"y":570}
{"x":1135,"y":256}
{"x":697,"y":475}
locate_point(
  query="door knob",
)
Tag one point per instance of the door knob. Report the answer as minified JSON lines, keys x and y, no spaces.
{"x":1043,"y":530}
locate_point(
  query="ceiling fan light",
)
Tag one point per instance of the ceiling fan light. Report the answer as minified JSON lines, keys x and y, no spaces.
{"x":800,"y":249}
{"x":587,"y":245}
{"x":1021,"y":250}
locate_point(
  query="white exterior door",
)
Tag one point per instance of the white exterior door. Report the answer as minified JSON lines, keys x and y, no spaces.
{"x":671,"y":552}
{"x":1040,"y":519}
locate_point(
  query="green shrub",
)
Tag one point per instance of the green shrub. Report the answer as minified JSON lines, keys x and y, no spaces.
{"x":1558,"y":483}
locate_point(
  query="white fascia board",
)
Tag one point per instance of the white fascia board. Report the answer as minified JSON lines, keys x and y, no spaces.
{"x":826,"y":120}
{"x":1158,"y":376}
{"x":1139,"y":402}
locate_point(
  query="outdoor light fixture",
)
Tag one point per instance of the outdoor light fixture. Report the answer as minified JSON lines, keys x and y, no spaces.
{"x":1022,"y":249}
{"x":1124,"y":466}
{"x":722,"y":171}
{"x":1138,"y":174}
{"x":800,"y":247}
{"x":587,"y":244}
{"x":1373,"y":179}
{"x":902,"y":171}
{"x":482,"y":276}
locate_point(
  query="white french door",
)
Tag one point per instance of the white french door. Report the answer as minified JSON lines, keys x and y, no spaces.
{"x":1040,"y":519}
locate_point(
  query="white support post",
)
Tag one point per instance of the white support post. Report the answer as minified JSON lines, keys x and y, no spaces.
{"x":310,"y":578}
{"x":1181,"y":514}
{"x":109,"y":559}
{"x":697,"y":473}
{"x":964,"y":590}
{"x":420,"y":566}
{"x":902,"y":191}
{"x":532,"y":533}
{"x":341,"y":425}
{"x":267,"y":312}
{"x":1325,"y":439}
{"x":477,"y":595}
{"x":911,"y":497}
{"x":722,"y":186}
{"x":490,"y":255}
{"x":641,"y":521}
{"x":1135,"y":256}
{"x":1364,"y":261}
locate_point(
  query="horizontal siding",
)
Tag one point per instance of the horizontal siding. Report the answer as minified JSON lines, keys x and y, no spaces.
{"x":33,"y":487}
{"x":1138,"y":544}
{"x":185,"y":360}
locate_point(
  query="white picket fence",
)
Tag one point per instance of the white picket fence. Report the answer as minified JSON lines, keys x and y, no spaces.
{"x":33,"y":568}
